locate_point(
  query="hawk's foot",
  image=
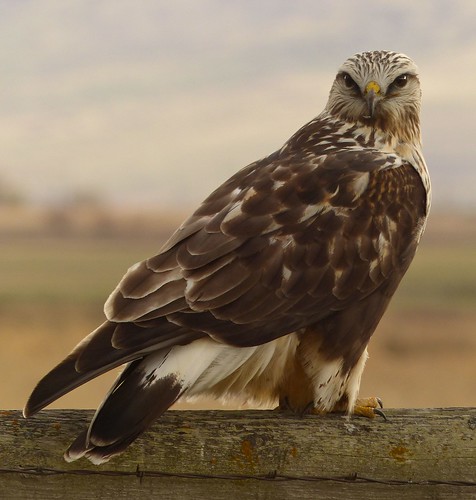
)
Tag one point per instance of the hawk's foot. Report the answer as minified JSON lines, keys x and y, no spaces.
{"x":369,"y":408}
{"x":285,"y":406}
{"x":364,"y":407}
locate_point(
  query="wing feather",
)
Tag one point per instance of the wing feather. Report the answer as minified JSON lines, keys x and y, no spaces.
{"x":219,"y":283}
{"x":281,"y":245}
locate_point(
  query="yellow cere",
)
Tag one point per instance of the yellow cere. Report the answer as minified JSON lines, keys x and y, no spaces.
{"x":372,"y":86}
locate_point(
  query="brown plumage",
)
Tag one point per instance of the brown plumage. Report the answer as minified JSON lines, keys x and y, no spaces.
{"x":272,"y":289}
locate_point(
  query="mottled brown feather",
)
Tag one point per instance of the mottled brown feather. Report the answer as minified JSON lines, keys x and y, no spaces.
{"x":305,"y":247}
{"x":348,"y":252}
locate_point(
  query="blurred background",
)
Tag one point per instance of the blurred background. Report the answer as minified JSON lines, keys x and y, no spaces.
{"x":117,"y":118}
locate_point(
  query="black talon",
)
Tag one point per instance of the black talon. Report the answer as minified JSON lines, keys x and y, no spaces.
{"x":284,"y":404}
{"x":308,"y":407}
{"x":380,"y":413}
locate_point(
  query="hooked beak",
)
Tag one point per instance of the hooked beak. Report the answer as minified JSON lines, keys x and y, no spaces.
{"x":372,"y":90}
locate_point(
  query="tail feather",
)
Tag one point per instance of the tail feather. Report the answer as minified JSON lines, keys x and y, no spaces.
{"x":65,"y":377}
{"x":130,"y":408}
{"x":96,"y":355}
{"x":145,"y":390}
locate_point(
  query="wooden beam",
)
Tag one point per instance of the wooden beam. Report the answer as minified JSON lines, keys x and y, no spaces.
{"x":418,"y":453}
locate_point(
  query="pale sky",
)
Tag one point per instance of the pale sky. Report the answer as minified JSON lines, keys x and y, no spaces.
{"x":156,"y":103}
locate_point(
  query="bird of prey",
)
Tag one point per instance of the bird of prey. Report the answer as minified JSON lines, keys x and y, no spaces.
{"x":272,"y":289}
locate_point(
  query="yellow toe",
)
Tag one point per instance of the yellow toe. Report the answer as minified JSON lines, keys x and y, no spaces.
{"x":368,"y":407}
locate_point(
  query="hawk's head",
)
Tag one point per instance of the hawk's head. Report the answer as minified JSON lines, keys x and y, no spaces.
{"x":379,"y":89}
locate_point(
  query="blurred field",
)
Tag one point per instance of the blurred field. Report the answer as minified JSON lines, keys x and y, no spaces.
{"x":58,"y":268}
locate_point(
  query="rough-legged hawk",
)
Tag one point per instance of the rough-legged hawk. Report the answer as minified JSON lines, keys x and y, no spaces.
{"x":271,"y":290}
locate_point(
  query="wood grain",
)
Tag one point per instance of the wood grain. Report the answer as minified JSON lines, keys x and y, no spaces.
{"x":416,"y":453}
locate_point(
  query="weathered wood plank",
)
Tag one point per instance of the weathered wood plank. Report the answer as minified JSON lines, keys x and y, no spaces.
{"x":424,"y":453}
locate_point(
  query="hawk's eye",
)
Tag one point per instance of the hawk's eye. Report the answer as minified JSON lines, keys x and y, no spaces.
{"x":348,"y":81}
{"x":401,"y":81}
